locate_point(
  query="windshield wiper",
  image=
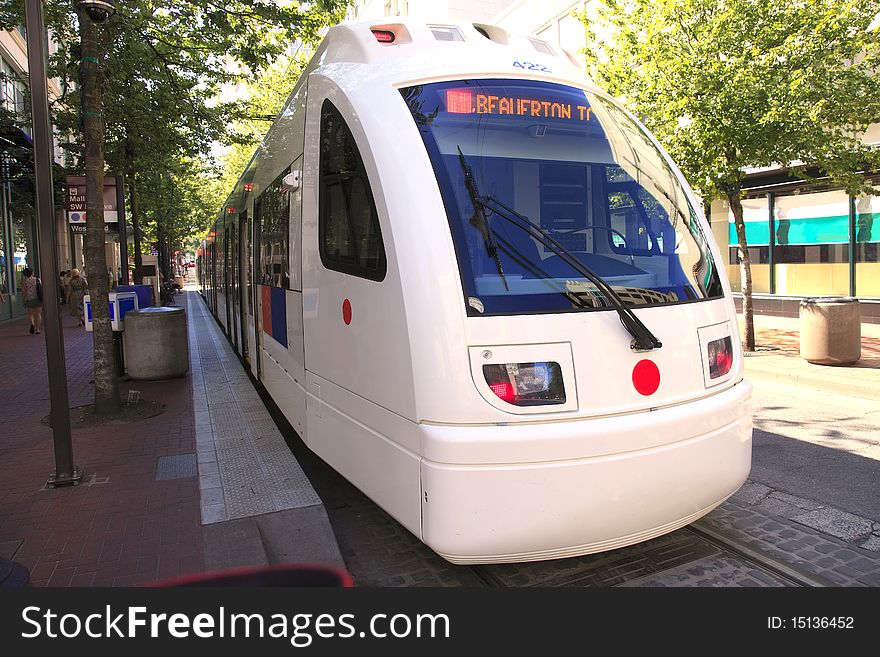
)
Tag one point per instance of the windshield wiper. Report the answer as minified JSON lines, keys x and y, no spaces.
{"x":479,"y":219}
{"x":643,"y":339}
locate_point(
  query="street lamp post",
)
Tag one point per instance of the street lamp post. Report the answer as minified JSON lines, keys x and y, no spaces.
{"x":65,"y":471}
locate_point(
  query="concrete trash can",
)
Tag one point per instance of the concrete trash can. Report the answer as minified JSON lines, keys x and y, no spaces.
{"x":155,"y":343}
{"x":831,"y":330}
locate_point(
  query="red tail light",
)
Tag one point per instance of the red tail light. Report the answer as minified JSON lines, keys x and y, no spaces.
{"x":720,"y":357}
{"x":504,"y":391}
{"x":526,"y":384}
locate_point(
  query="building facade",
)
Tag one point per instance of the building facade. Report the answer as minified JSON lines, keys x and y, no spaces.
{"x":805,"y":240}
{"x":18,"y":243}
{"x":19,"y":247}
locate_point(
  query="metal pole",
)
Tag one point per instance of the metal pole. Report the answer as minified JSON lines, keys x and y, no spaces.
{"x":852,"y":246}
{"x":65,"y":471}
{"x":123,"y":235}
{"x":771,"y":254}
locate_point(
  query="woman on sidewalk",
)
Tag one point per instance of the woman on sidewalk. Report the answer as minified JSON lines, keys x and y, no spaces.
{"x":77,"y":289}
{"x":32,"y":298}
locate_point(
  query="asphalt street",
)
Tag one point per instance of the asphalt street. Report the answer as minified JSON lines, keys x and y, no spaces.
{"x":817,"y":445}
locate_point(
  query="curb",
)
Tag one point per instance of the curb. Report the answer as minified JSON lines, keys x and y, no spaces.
{"x":851,"y":386}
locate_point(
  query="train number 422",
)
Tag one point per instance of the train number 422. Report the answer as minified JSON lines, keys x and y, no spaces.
{"x":529,"y":66}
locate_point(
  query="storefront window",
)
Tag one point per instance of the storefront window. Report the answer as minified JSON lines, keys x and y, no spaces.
{"x":755,"y":217}
{"x":812,"y":244}
{"x":867,"y":243}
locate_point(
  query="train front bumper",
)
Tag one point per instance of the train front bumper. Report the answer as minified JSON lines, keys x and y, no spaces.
{"x":548,"y":490}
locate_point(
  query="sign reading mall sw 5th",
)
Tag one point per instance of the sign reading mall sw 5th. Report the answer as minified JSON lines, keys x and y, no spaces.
{"x":76,"y":201}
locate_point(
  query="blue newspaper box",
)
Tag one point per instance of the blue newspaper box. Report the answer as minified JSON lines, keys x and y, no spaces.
{"x":120,"y":303}
{"x":144,"y":293}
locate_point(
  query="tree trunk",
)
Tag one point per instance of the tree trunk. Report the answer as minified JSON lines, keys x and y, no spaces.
{"x":136,"y":229}
{"x":733,"y":197}
{"x":163,"y":251}
{"x":107,"y":400}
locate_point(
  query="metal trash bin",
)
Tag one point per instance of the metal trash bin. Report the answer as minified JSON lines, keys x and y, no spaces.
{"x":155,"y":343}
{"x":831,"y":330}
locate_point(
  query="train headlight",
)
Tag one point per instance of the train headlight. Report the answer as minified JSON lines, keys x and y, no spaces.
{"x":720,"y":357}
{"x":526,"y":384}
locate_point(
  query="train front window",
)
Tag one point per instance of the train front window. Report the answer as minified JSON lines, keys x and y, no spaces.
{"x":582,"y":173}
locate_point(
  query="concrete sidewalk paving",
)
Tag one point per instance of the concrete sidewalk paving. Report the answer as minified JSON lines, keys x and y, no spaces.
{"x":205,"y":485}
{"x":777,"y":357}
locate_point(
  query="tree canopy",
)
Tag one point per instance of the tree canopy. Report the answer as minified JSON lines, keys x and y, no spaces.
{"x":165,"y":66}
{"x":727,"y":84}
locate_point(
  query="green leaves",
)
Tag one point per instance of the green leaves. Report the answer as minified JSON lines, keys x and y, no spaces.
{"x":163,"y":67}
{"x":726,"y":84}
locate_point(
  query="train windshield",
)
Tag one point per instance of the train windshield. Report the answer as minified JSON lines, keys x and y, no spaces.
{"x":538,"y":178}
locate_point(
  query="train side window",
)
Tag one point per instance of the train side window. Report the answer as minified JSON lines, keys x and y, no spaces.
{"x":272,"y":210}
{"x":348,"y":226}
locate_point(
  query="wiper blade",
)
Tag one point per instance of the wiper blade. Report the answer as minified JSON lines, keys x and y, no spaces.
{"x":643,"y":339}
{"x":479,"y":218}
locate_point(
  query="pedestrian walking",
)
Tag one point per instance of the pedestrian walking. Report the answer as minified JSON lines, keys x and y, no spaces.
{"x":65,"y":284}
{"x":62,"y":295}
{"x":77,"y":289}
{"x":32,"y":298}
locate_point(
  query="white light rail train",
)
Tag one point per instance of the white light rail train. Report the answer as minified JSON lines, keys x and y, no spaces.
{"x":481,"y":291}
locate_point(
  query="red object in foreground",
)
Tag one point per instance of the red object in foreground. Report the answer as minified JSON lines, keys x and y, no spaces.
{"x":280,"y":575}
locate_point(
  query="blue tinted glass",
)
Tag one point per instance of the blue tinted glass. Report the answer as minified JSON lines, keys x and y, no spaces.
{"x":582,"y":173}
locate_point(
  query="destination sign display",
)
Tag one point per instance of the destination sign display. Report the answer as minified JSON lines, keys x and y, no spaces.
{"x":466,"y":101}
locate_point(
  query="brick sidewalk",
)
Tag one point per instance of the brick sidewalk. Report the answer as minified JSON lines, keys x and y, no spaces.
{"x":786,"y":338}
{"x":121,"y":526}
{"x":777,"y":357}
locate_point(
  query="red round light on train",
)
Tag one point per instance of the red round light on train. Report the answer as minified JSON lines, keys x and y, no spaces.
{"x":646,"y":377}
{"x":346,"y":312}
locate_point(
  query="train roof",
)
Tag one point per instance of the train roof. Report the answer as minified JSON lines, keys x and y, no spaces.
{"x":408,"y":50}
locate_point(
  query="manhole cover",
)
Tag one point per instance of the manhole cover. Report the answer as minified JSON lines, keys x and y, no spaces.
{"x":179,"y":466}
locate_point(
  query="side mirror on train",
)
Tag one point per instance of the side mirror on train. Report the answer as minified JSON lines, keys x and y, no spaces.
{"x":292,"y":181}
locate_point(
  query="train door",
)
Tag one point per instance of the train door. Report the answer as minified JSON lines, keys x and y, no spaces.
{"x":244,"y":284}
{"x":234,"y":300}
{"x":359,"y":377}
{"x":256,"y":297}
{"x":226,"y":281}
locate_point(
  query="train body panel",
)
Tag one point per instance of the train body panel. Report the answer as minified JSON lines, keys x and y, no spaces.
{"x":375,"y":449}
{"x":282,"y":366}
{"x":550,"y":509}
{"x":355,"y":327}
{"x":459,"y":261}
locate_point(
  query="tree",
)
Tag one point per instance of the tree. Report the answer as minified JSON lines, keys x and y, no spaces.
{"x":107,"y":400}
{"x":265,"y":98}
{"x":147,"y":81}
{"x":170,"y":68}
{"x":726,"y":84}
